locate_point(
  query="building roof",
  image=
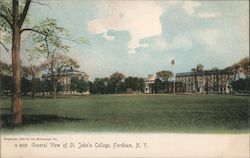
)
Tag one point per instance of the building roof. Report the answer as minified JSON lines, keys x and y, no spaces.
{"x":185,"y":74}
{"x":205,"y":72}
{"x":70,"y":71}
{"x":73,"y":71}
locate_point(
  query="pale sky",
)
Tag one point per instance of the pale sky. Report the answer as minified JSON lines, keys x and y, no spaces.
{"x":139,"y":38}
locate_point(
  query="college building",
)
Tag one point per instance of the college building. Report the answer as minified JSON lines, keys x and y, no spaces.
{"x":149,"y":84}
{"x":198,"y":82}
{"x":171,"y":86}
{"x":207,"y":81}
{"x":66,"y":76}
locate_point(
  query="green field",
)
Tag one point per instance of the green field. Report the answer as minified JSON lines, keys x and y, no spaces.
{"x":132,"y":113}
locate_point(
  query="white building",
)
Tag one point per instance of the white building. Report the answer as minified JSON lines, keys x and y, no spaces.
{"x":66,"y":76}
{"x":149,"y":83}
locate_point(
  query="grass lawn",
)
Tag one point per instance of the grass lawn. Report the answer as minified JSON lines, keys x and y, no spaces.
{"x":132,"y":113}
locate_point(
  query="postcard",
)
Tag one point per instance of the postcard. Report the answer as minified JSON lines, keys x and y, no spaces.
{"x":122,"y":78}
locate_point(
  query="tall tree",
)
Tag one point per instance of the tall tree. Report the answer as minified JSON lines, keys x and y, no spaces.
{"x":49,"y":39}
{"x":135,"y":84}
{"x":34,"y":72}
{"x":141,"y":84}
{"x":132,"y":83}
{"x":55,"y":66}
{"x":99,"y":86}
{"x":5,"y":69}
{"x":114,"y":81}
{"x":164,"y":76}
{"x":82,"y":86}
{"x":242,"y":66}
{"x":13,"y":18}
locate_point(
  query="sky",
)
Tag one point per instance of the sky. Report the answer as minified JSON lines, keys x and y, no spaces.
{"x":138,"y":38}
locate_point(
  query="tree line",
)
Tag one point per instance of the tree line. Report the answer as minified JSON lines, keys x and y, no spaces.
{"x":33,"y":83}
{"x":117,"y":83}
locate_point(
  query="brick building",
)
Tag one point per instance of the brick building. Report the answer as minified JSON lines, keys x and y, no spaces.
{"x":208,"y":81}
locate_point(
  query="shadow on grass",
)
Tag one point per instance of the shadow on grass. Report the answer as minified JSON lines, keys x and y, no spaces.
{"x":9,"y":109}
{"x":35,"y":119}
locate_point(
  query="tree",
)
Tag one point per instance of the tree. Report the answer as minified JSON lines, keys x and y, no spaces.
{"x":121,"y":87}
{"x":48,"y":39}
{"x":114,"y":81}
{"x":12,"y":19}
{"x":55,"y":66}
{"x":6,"y":26}
{"x":74,"y":83}
{"x":241,"y":85}
{"x":50,"y":45}
{"x":5,"y":84}
{"x":117,"y":76}
{"x":159,"y":85}
{"x":5,"y":77}
{"x":245,"y":65}
{"x":47,"y":85}
{"x":235,"y":70}
{"x":5,"y":68}
{"x":25,"y":83}
{"x":25,"y":86}
{"x":79,"y":85}
{"x":199,"y":67}
{"x":40,"y":86}
{"x":164,"y":76}
{"x":215,"y":69}
{"x":135,"y":84}
{"x":241,"y":66}
{"x":141,"y":84}
{"x":34,"y":72}
{"x":99,"y":86}
{"x":131,"y":83}
{"x":82,"y":86}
